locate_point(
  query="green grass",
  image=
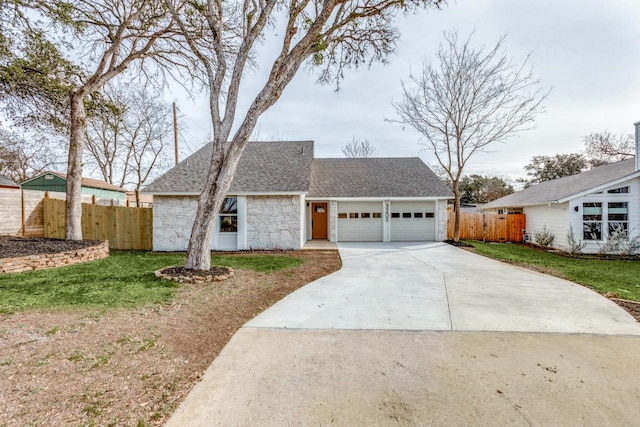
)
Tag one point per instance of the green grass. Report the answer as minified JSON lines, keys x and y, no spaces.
{"x":620,"y":277}
{"x":123,"y":280}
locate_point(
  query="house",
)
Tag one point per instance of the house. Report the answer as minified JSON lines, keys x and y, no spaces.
{"x":591,"y":204}
{"x":282,"y":196}
{"x":57,"y":182}
{"x":7,"y":183}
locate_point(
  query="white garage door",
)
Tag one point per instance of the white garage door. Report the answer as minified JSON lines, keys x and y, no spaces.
{"x":360,"y":221}
{"x":413,"y":221}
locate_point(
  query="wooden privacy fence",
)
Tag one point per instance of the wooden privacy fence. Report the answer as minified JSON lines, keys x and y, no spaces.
{"x":488,"y":227}
{"x":123,"y":227}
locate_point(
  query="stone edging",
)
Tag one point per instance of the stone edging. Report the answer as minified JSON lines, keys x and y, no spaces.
{"x":196,"y":278}
{"x":60,"y":259}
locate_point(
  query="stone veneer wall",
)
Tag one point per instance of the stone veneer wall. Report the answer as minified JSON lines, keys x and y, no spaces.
{"x":273,"y":222}
{"x":60,"y":259}
{"x":172,"y":221}
{"x":442,"y":219}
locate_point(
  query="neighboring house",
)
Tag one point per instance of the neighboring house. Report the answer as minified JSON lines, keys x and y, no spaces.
{"x":592,"y":204}
{"x":7,"y":183}
{"x":282,"y":196}
{"x":57,"y":182}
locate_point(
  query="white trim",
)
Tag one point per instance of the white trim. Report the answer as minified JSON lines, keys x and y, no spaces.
{"x":380,"y":199}
{"x":600,"y":187}
{"x":238,"y":193}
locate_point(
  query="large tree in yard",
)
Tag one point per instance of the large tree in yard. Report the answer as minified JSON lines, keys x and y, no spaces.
{"x":466,"y":100}
{"x":104,"y":38}
{"x":332,"y":35}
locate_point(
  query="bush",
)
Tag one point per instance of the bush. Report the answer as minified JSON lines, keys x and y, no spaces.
{"x":575,"y":246}
{"x":619,"y":243}
{"x":543,"y":237}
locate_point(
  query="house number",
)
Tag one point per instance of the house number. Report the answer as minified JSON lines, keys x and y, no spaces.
{"x":386,"y":212}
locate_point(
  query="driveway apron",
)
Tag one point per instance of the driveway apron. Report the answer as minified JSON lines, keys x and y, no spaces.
{"x":435,"y":286}
{"x":426,"y":334}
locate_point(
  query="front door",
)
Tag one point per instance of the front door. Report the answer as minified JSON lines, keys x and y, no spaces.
{"x":318,"y":220}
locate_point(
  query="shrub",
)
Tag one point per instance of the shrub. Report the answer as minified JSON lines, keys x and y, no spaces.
{"x":619,"y":243}
{"x":543,"y":237}
{"x":575,"y":245}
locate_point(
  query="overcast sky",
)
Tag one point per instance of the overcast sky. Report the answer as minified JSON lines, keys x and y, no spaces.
{"x":587,"y":51}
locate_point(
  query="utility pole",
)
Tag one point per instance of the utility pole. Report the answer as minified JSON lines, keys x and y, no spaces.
{"x":175,"y":132}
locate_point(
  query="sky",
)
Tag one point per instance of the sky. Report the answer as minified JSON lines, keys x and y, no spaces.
{"x":586,"y":51}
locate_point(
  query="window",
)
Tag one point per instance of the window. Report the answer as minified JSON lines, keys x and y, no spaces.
{"x":621,"y":190}
{"x":229,"y":215}
{"x":353,"y":215}
{"x":365,"y":215}
{"x":592,"y":221}
{"x":342,"y":215}
{"x":618,"y":217}
{"x":395,"y":214}
{"x":377,"y":215}
{"x":319,"y":208}
{"x":417,"y":214}
{"x":406,"y":214}
{"x":429,"y":215}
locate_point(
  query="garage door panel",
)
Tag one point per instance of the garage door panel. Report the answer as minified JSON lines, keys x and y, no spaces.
{"x":413,"y":221}
{"x":359,"y":221}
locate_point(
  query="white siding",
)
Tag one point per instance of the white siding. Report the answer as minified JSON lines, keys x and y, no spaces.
{"x":632,"y":198}
{"x":556,"y":219}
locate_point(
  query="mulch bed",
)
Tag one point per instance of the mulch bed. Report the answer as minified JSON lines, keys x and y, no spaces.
{"x":13,"y":247}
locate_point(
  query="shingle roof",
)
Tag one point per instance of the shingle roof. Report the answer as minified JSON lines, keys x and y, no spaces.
{"x":264,"y":167}
{"x":6,"y":182}
{"x":271,"y":167}
{"x":375,"y":177}
{"x":566,"y":187}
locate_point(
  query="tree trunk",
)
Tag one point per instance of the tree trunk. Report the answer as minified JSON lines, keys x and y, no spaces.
{"x":74,"y":168}
{"x":456,"y":212}
{"x":221,"y":172}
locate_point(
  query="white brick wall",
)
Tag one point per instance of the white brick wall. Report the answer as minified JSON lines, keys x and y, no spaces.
{"x":274,"y":222}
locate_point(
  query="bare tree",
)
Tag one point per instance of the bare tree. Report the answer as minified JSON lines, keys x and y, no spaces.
{"x":23,"y":156}
{"x":359,"y":148}
{"x":331,"y":34}
{"x":604,"y":147}
{"x":120,"y":33}
{"x":466,"y":101}
{"x":127,"y":136}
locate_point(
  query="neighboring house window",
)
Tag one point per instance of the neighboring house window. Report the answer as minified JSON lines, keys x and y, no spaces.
{"x":621,"y":190}
{"x":618,"y":217}
{"x":229,"y":215}
{"x":592,"y":221}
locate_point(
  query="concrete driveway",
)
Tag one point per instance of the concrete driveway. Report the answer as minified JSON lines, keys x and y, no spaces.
{"x":426,"y":334}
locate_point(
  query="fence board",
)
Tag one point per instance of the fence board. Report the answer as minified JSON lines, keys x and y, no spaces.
{"x":488,"y":227}
{"x":123,"y":227}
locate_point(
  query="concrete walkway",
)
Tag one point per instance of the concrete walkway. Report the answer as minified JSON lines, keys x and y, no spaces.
{"x":426,"y":334}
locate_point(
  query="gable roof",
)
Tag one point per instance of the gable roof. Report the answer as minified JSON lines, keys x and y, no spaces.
{"x":6,"y":182}
{"x":86,"y":182}
{"x":568,"y":187}
{"x":375,"y":177}
{"x":265,"y":167}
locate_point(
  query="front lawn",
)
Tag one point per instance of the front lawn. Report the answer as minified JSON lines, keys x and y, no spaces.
{"x":618,"y":277}
{"x":123,"y":280}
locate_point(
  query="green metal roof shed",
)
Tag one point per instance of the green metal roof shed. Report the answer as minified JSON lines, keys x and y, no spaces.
{"x":57,"y":182}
